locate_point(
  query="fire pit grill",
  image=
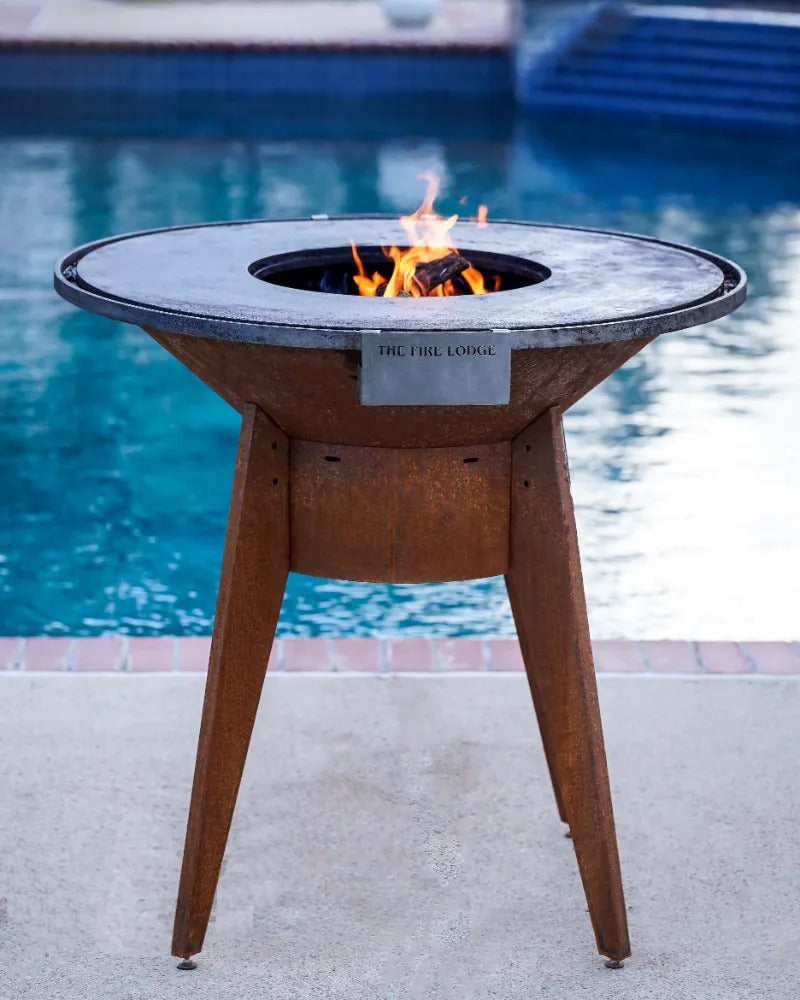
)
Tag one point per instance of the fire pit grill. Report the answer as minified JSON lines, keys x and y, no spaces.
{"x":423,"y":484}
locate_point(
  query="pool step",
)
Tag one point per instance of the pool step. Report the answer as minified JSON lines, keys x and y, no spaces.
{"x":688,"y":63}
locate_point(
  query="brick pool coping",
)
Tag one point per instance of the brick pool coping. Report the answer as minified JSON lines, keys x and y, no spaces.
{"x":189,"y":654}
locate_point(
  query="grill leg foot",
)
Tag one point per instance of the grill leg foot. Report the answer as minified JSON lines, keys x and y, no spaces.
{"x":187,"y":965}
{"x":614,"y":963}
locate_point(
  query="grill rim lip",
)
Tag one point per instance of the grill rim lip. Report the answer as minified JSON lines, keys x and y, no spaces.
{"x":646,"y":325}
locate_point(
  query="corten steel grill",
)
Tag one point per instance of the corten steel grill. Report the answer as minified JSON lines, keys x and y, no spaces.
{"x":359,"y":457}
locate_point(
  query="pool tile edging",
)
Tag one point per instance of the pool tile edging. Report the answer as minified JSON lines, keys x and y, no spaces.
{"x":413,"y":654}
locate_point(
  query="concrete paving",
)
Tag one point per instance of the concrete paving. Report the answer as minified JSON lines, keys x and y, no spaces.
{"x":351,"y":23}
{"x":396,"y":838}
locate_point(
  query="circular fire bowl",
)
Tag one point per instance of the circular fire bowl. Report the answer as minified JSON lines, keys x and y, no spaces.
{"x":233,"y":302}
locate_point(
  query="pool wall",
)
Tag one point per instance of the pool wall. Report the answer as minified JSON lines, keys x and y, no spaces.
{"x":428,"y":74}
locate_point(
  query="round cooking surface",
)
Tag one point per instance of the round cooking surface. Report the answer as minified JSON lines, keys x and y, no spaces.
{"x":592,"y":286}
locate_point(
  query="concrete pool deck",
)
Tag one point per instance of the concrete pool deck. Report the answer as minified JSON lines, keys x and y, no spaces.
{"x":334,"y":23}
{"x":396,"y":838}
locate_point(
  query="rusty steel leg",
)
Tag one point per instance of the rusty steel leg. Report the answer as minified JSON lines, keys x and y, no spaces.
{"x":546,"y":591}
{"x":255,"y":566}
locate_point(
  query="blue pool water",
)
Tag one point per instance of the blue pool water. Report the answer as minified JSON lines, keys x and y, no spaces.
{"x":115,"y":463}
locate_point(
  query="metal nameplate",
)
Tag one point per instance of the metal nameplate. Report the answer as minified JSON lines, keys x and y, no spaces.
{"x":435,"y":369}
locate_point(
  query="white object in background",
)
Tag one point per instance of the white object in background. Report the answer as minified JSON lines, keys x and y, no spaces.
{"x":410,"y":13}
{"x":400,"y":163}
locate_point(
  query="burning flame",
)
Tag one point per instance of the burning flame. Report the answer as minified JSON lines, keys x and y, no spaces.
{"x":429,"y":241}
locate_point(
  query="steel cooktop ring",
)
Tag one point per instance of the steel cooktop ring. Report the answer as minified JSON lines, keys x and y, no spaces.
{"x":196,"y":280}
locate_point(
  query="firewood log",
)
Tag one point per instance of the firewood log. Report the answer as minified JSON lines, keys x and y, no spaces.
{"x":431,"y":274}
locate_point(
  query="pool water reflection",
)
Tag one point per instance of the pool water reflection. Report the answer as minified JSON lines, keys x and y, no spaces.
{"x":115,"y":463}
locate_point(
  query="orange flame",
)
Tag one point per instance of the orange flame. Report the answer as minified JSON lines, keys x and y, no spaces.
{"x":429,"y":240}
{"x":365,"y":284}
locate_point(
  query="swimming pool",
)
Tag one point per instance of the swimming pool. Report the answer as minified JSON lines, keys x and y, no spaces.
{"x":115,"y":463}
